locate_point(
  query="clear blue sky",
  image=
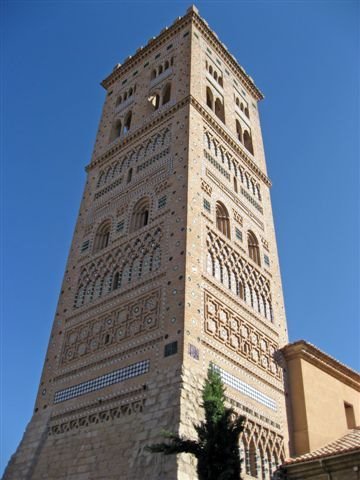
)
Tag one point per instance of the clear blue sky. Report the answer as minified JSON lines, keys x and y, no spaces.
{"x":303,"y":55}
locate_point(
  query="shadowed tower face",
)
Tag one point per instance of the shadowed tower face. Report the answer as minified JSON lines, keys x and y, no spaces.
{"x":173,"y":265}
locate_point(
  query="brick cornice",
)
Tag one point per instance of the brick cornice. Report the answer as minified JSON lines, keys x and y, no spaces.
{"x":193,"y":17}
{"x":305,"y":351}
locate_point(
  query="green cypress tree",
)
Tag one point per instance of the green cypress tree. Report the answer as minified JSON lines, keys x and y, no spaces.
{"x":217,"y":447}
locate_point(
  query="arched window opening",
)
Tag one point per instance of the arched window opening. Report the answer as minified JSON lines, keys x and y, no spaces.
{"x":241,"y":106}
{"x":235,"y":185}
{"x":172,"y":61}
{"x":102,"y":236}
{"x":160,"y":70}
{"x":129,"y":175}
{"x":258,"y":192}
{"x":209,"y":98}
{"x":210,"y":265}
{"x":222,"y":219}
{"x":153,"y":74}
{"x":253,"y":247}
{"x":166,"y":94}
{"x":237,"y":102}
{"x":219,"y":110}
{"x":118,"y":101}
{"x":241,"y":290}
{"x":239,"y":131}
{"x":217,"y":273}
{"x":125,"y":96}
{"x":247,"y":112}
{"x":167,"y":65}
{"x":131,"y":92}
{"x":140,"y":216}
{"x":253,"y":460}
{"x":210,"y":70}
{"x":116,"y":281}
{"x":115,"y":131}
{"x":215,"y":75}
{"x":220,"y":80}
{"x":154,"y":101}
{"x":127,"y":123}
{"x":248,"y":142}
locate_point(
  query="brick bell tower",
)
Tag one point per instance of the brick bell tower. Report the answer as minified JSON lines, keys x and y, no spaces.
{"x":173,"y":265}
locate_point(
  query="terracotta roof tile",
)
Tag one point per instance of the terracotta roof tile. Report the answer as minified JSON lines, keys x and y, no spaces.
{"x":347,"y":443}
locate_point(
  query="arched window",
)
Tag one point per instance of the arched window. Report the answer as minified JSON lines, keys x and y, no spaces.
{"x":115,"y":130}
{"x":253,"y":247}
{"x":153,"y":74}
{"x":219,"y":110}
{"x":160,"y":70}
{"x":220,"y":80}
{"x":127,"y":122}
{"x":140,"y":216}
{"x":235,"y":185}
{"x":130,"y":92}
{"x":222,"y":219}
{"x":116,"y":281}
{"x":209,"y":98}
{"x":155,"y":101}
{"x":166,"y":94}
{"x":239,"y":131}
{"x":215,"y":75}
{"x":167,"y":65}
{"x":248,"y":142}
{"x":247,"y":112}
{"x":119,"y":100}
{"x":210,"y":70}
{"x":102,"y":236}
{"x":129,"y":175}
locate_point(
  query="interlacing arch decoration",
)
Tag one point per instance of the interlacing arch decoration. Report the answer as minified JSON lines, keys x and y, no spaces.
{"x":155,"y":144}
{"x":262,"y":450}
{"x":238,"y":275}
{"x":127,"y":263}
{"x":231,"y":163}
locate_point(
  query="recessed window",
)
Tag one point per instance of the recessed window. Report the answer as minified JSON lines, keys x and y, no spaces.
{"x":102,"y":236}
{"x":238,"y":234}
{"x":350,"y":415}
{"x":222,"y":219}
{"x":162,"y":202}
{"x":170,"y":349}
{"x":253,"y":247}
{"x":207,"y":205}
{"x":140,"y":216}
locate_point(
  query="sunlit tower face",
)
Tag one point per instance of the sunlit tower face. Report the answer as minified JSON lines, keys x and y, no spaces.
{"x":173,"y":265}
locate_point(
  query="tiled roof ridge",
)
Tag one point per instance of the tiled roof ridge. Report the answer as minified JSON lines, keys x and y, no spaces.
{"x":347,"y":443}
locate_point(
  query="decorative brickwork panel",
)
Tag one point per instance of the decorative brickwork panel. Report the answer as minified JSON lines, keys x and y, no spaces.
{"x":262,"y":450}
{"x":104,"y":416}
{"x":238,"y":275}
{"x":128,"y":321}
{"x":228,"y":165}
{"x":226,"y":326}
{"x":120,"y":267}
